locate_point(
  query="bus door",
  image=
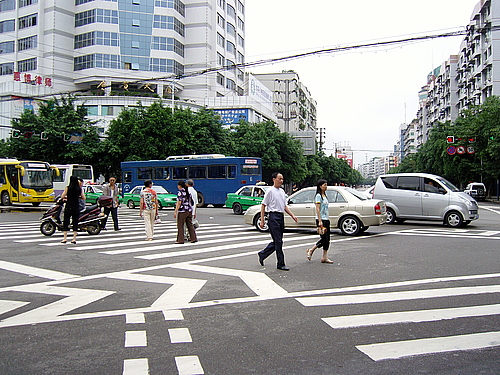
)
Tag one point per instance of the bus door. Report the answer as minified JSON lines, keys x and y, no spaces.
{"x":13,"y":183}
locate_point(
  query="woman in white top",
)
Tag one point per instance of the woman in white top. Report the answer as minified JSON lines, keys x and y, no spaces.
{"x":322,"y":222}
{"x":149,"y":208}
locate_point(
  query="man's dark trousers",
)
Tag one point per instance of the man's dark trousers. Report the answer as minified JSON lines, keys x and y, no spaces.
{"x":114,"y":214}
{"x":276,"y":224}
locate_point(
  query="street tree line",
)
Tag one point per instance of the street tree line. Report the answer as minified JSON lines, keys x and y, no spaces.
{"x":477,"y":127}
{"x":156,"y":132}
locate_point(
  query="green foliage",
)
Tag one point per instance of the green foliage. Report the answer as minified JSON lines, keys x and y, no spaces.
{"x":57,"y":119}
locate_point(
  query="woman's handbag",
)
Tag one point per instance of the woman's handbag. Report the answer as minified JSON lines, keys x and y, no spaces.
{"x":321,"y":230}
{"x":157,"y":219}
{"x":196,"y":225}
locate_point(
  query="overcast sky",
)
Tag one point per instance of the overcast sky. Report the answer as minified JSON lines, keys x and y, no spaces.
{"x":364,"y":95}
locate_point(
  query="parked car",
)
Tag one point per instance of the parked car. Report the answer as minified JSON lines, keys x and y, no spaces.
{"x":476,"y":190}
{"x":422,"y":196}
{"x":165,"y":198}
{"x":349,"y":210}
{"x":93,"y":192}
{"x":245,"y":197}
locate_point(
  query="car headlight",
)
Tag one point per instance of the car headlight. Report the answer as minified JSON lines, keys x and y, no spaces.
{"x":24,"y":194}
{"x":53,"y":194}
{"x":468,"y":202}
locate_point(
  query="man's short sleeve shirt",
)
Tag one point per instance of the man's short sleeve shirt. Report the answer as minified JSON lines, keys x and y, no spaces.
{"x":275,"y":200}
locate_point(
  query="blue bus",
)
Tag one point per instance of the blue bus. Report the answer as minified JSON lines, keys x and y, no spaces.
{"x":214,"y":175}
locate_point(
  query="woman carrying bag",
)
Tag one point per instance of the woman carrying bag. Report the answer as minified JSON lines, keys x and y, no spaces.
{"x":322,"y":222}
{"x":149,"y":208}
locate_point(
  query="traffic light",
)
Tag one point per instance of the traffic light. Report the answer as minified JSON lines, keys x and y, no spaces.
{"x":450,"y":139}
{"x":472,"y":139}
{"x":16,"y":133}
{"x":28,"y":134}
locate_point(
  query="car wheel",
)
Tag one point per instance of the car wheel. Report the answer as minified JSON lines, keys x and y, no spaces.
{"x":350,"y":225}
{"x":256,"y":223}
{"x":47,"y":228}
{"x":237,"y":209}
{"x":5,"y":199}
{"x":453,"y":219}
{"x":391,"y":216}
{"x":131,"y":204}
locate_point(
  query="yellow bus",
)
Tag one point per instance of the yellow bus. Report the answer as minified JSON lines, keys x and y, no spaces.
{"x":25,"y":182}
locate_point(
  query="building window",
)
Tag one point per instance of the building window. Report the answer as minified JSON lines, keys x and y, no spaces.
{"x":26,"y":65}
{"x":230,"y":84}
{"x":78,"y":2}
{"x":168,"y":22}
{"x":220,"y":40}
{"x":107,"y":16}
{"x":166,"y":66}
{"x":220,"y":79}
{"x":7,"y":47}
{"x":84,"y":18}
{"x":230,"y":65}
{"x":240,"y":75}
{"x":231,"y":29}
{"x":27,"y":21}
{"x":173,"y":4}
{"x":7,"y":68}
{"x":23,"y":3}
{"x":7,"y":26}
{"x":27,"y":43}
{"x":231,"y":11}
{"x":97,"y":60}
{"x":106,"y":38}
{"x":220,"y":59}
{"x":241,"y":7}
{"x":241,"y":58}
{"x":241,"y":41}
{"x":6,"y":5}
{"x":221,"y":21}
{"x":136,"y":23}
{"x":241,"y":24}
{"x":222,"y":3}
{"x":168,"y":44}
{"x":231,"y":48}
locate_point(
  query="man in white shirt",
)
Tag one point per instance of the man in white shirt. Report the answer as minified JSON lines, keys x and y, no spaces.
{"x":274,"y":204}
{"x":194,"y":202}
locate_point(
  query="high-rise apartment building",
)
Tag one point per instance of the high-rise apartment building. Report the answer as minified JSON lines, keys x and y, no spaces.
{"x":108,"y":50}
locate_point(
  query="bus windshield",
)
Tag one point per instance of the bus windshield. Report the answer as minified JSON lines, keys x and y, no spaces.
{"x":84,"y":174}
{"x":37,"y":178}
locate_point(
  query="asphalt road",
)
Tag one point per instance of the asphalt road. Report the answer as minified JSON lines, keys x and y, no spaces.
{"x":417,"y":298}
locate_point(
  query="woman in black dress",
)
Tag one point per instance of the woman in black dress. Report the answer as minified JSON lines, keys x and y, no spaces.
{"x":72,"y":193}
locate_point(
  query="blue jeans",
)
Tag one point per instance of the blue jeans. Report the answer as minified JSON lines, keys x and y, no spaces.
{"x":276,"y":224}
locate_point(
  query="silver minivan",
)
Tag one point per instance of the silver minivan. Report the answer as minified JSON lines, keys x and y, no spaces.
{"x":422,"y":196}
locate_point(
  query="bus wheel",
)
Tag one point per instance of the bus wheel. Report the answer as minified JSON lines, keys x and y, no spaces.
{"x":201,"y":200}
{"x":5,"y":199}
{"x":35,"y":204}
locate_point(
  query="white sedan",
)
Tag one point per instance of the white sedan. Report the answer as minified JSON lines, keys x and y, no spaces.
{"x":349,"y":210}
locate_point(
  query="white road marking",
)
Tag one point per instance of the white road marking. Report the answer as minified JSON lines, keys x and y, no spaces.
{"x":179,"y":335}
{"x":397,"y":296}
{"x":135,"y":318}
{"x":135,"y":338}
{"x":34,"y":271}
{"x":173,"y":315}
{"x":6,"y":306}
{"x":399,"y":349}
{"x":138,"y":366}
{"x":189,"y":365}
{"x":418,"y":316}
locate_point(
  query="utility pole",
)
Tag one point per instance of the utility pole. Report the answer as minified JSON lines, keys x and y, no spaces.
{"x":321,"y":131}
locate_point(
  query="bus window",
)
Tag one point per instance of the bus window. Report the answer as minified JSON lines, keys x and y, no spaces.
{"x":127,"y":177}
{"x":36,"y":178}
{"x":216,"y":171}
{"x":180,"y":173}
{"x":198,"y":172}
{"x":61,"y":177}
{"x":250,"y":169}
{"x":162,"y":173}
{"x":231,"y":171}
{"x":144,"y":173}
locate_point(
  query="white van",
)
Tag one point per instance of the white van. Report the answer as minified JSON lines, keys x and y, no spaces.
{"x":422,"y":196}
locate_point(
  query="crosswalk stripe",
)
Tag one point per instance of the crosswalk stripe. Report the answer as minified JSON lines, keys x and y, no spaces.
{"x":397,"y":296}
{"x":399,"y":349}
{"x":418,"y":316}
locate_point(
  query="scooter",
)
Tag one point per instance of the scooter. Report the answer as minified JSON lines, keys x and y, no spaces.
{"x":90,"y":219}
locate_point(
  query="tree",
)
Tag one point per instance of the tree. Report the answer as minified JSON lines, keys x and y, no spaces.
{"x":44,"y":136}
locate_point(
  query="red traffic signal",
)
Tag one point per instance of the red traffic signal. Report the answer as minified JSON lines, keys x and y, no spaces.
{"x":450,"y":139}
{"x":472,"y":140}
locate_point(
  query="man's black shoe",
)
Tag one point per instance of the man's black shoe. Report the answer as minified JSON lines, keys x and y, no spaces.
{"x":284,"y":268}
{"x":117,"y":229}
{"x":261,"y":261}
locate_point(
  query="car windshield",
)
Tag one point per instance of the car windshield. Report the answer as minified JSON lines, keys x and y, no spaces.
{"x":98,"y":189}
{"x":357,"y":194}
{"x":448,"y":184}
{"x":160,"y":189}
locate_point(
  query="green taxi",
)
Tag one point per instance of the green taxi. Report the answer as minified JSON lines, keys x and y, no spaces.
{"x":93,"y":192}
{"x":244,"y":197}
{"x":165,"y":198}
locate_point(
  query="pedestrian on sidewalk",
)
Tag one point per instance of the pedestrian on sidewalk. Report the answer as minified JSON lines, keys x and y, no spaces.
{"x":322,"y":222}
{"x":111,"y":190}
{"x":274,"y":204}
{"x":149,"y":208}
{"x":183,"y":214}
